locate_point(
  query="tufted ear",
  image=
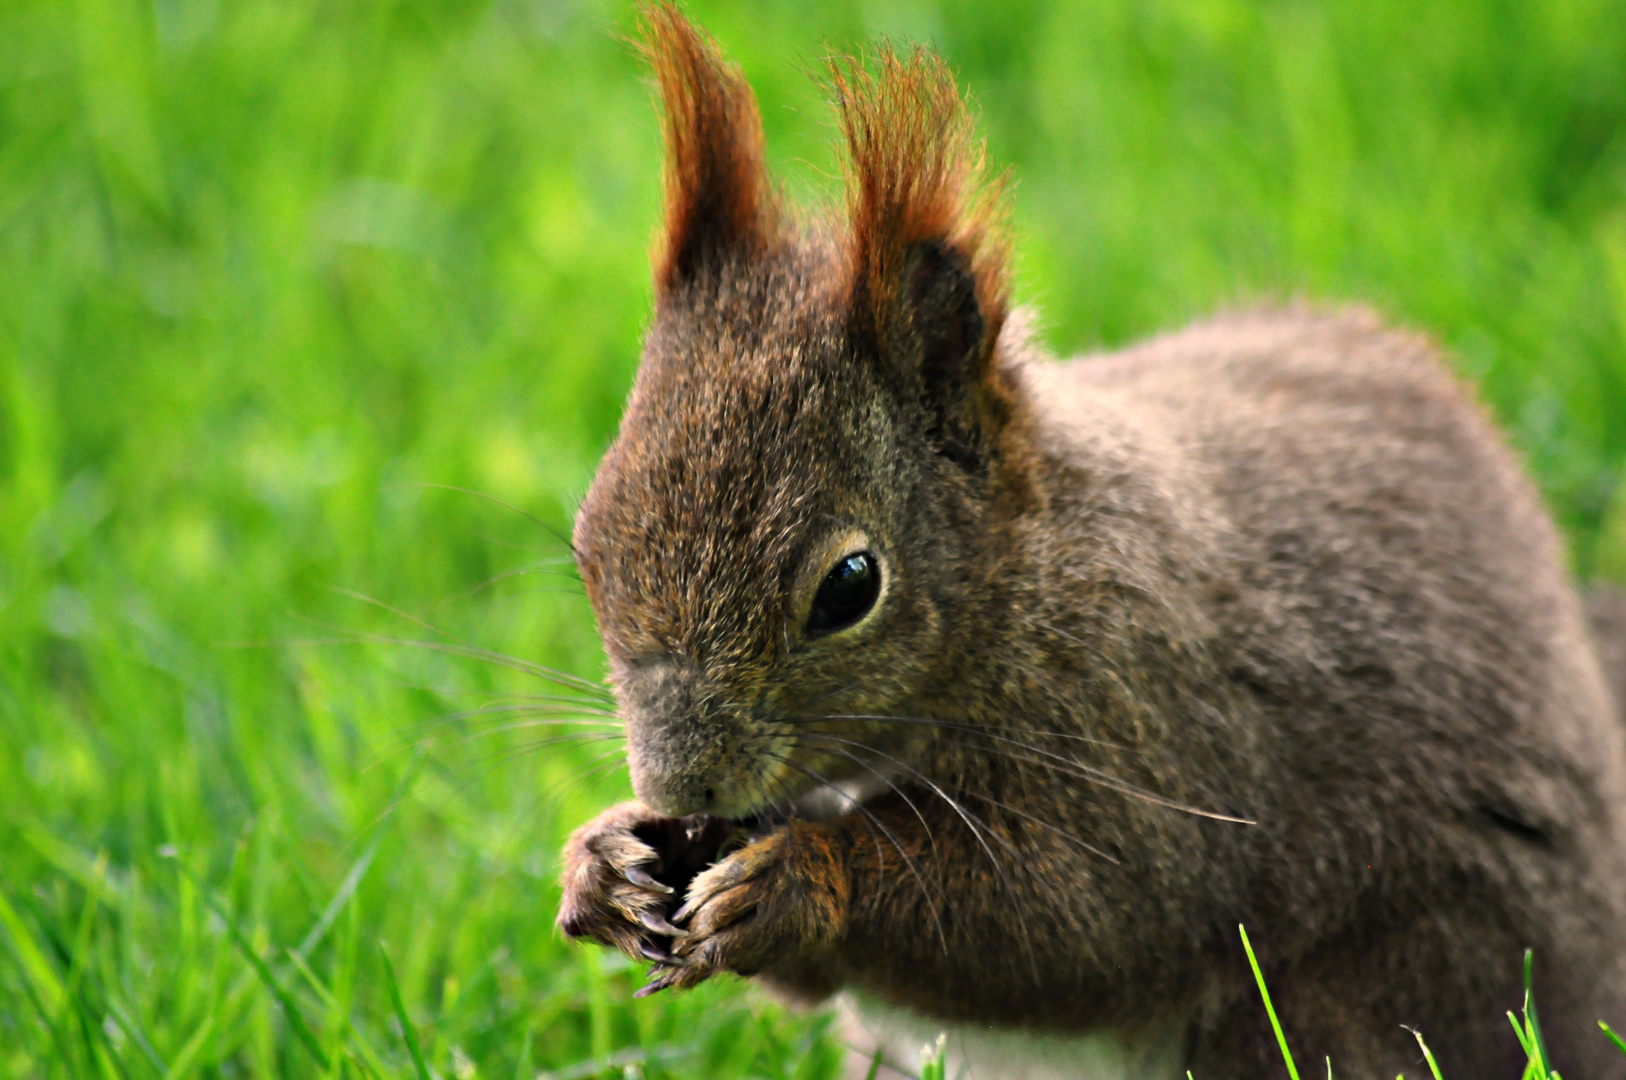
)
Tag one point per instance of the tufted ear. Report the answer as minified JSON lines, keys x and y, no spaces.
{"x":719,"y":204}
{"x":926,"y":255}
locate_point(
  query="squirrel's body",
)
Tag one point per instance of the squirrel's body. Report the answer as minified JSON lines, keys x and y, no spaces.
{"x":1432,"y":759}
{"x":1028,"y":682}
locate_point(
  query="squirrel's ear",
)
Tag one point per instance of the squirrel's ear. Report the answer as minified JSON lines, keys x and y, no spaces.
{"x":720,"y":206}
{"x":926,"y":255}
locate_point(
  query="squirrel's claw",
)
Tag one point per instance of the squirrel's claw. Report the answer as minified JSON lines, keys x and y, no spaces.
{"x":660,"y":956}
{"x":644,"y":879}
{"x":720,"y":910}
{"x":610,"y":895}
{"x":724,"y":879}
{"x":665,"y":977}
{"x":778,"y":897}
{"x":653,"y":920}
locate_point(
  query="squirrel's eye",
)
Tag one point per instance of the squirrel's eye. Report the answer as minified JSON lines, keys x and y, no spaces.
{"x":846,"y":594}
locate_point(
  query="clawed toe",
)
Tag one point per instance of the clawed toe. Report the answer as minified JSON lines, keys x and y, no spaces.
{"x":653,"y":920}
{"x":644,"y":879}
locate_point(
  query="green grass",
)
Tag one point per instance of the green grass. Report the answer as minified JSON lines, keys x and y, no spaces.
{"x":270,"y":270}
{"x":1526,"y":1028}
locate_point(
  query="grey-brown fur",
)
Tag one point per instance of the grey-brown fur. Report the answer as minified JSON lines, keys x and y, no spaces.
{"x":1276,"y":567}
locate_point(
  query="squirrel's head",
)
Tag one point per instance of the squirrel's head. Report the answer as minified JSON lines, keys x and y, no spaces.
{"x":786,"y":524}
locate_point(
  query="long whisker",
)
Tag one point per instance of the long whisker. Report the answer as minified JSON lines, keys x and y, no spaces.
{"x":883,"y":778}
{"x":781,"y":803}
{"x":869,"y":818}
{"x":833,"y":693}
{"x":561,"y":708}
{"x":880,"y":718}
{"x":608,"y":760}
{"x":541,"y":722}
{"x":597,"y":765}
{"x":557,"y":560}
{"x":542,"y":590}
{"x":546,"y":698}
{"x":1042,"y":823}
{"x":540,"y":718}
{"x":484,"y":767}
{"x":1106,"y":780}
{"x":1039,"y":821}
{"x":473,"y":652}
{"x":1065,"y":764}
{"x":392,"y":609}
{"x":505,"y":576}
{"x":510,"y":753}
{"x":874,"y":823}
{"x":972,"y":822}
{"x":535,"y":708}
{"x":965,"y":814}
{"x":1056,"y":897}
{"x":544,"y":526}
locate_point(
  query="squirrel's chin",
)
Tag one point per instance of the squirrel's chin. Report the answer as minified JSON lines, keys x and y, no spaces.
{"x":840,"y":797}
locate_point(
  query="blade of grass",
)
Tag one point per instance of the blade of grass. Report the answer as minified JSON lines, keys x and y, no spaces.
{"x":374,"y":1062}
{"x":87,"y":916}
{"x":98,"y":1047}
{"x":41,"y":976}
{"x":1616,"y":1039}
{"x":89,"y":1013}
{"x":182,"y":1063}
{"x":133,"y":1031}
{"x":45,"y":1015}
{"x":933,"y":1063}
{"x":1270,"y":1010}
{"x":523,"y":1065}
{"x":296,"y":1020}
{"x":401,"y":1014}
{"x":634,"y":1055}
{"x":1428,"y":1055}
{"x":1518,"y":1033}
{"x":1530,"y":1010}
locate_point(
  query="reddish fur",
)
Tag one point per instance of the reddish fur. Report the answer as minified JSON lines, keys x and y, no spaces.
{"x":719,"y":201}
{"x":915,"y":174}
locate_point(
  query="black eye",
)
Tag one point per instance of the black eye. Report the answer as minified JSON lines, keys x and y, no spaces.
{"x":846,"y":594}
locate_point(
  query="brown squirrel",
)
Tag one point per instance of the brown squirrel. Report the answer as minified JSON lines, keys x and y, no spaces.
{"x":994,"y":692}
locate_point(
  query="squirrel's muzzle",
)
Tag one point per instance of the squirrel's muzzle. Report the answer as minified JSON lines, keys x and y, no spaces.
{"x":689,"y":751}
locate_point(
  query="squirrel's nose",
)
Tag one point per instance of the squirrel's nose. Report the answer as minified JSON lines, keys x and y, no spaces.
{"x":685,"y":749}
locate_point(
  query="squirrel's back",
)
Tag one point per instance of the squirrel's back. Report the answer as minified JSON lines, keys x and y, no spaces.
{"x":1606,"y":609}
{"x":1357,"y":529}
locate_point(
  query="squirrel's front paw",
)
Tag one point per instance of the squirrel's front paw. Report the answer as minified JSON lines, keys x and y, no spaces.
{"x":777,"y":899}
{"x":624,"y":871}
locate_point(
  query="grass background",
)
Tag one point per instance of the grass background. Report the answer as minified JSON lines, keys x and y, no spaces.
{"x":270,"y":269}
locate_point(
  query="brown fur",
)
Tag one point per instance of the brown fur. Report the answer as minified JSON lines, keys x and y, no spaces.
{"x":1606,"y":608}
{"x":914,"y":175}
{"x":1275,"y":567}
{"x":719,"y":203}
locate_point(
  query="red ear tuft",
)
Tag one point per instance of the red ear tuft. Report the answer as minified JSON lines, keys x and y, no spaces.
{"x":915,"y":177}
{"x":719,"y":203}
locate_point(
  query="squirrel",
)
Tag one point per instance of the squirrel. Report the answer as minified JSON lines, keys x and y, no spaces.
{"x":992,"y":693}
